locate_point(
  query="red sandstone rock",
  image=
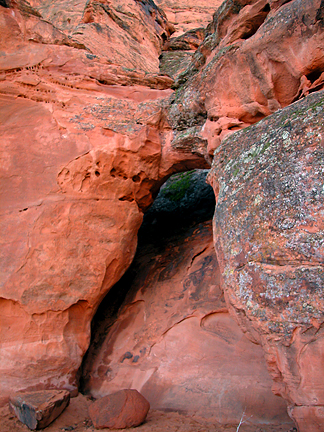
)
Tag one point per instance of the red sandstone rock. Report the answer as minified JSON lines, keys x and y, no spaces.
{"x":120,"y":410}
{"x":188,"y":14}
{"x":38,"y":409}
{"x":269,"y":240}
{"x":81,"y":160}
{"x":254,"y":61}
{"x":175,"y":342}
{"x":85,"y":145}
{"x":129,"y":34}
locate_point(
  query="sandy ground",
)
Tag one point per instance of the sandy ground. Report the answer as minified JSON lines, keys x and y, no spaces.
{"x":76,"y":418}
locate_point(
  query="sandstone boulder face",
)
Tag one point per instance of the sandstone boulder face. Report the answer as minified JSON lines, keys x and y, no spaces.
{"x":120,"y":410}
{"x":38,"y":409}
{"x":268,"y":230}
{"x":88,"y":135}
{"x":81,"y":161}
{"x":173,"y":338}
{"x":255,"y":59}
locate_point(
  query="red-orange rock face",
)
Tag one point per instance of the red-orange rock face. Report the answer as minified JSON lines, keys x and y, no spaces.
{"x":255,"y":61}
{"x":268,"y":229}
{"x":175,"y":342}
{"x":90,"y":130}
{"x":80,"y":161}
{"x":188,"y":14}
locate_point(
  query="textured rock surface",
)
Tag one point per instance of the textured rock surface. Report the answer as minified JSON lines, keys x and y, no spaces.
{"x":88,"y":135}
{"x":188,"y":14}
{"x":80,"y":161}
{"x":173,"y":338}
{"x":268,"y":230}
{"x":38,"y":409}
{"x":255,"y":59}
{"x":120,"y":410}
{"x":128,"y":33}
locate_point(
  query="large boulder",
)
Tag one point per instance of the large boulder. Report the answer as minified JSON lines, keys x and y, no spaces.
{"x":268,"y":227}
{"x":120,"y":410}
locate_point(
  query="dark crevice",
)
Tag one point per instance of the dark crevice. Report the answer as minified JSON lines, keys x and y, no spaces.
{"x":4,"y":3}
{"x":314,"y":75}
{"x":320,"y":13}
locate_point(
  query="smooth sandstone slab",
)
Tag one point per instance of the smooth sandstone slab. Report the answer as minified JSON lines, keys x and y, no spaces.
{"x":40,"y":408}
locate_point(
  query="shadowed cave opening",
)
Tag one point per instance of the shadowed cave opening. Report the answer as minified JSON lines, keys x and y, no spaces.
{"x":164,"y":328}
{"x":184,"y":201}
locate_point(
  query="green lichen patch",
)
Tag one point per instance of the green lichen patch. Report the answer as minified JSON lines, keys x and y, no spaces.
{"x":178,"y":186}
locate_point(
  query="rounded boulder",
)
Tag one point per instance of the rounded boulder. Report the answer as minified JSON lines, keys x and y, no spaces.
{"x":120,"y":410}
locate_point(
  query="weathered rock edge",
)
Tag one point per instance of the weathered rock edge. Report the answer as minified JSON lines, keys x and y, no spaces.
{"x":38,"y":409}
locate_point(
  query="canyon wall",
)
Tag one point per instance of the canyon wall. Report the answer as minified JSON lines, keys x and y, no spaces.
{"x":186,"y":15}
{"x":91,"y":129}
{"x":173,"y":338}
{"x":81,"y":150}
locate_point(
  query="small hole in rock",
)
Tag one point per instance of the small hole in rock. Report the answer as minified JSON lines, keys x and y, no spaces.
{"x":97,"y":173}
{"x":314,"y":75}
{"x":136,"y":178}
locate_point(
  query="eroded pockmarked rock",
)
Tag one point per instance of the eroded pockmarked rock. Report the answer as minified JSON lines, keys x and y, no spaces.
{"x":81,"y":161}
{"x":38,"y":409}
{"x":268,"y":228}
{"x":120,"y":410}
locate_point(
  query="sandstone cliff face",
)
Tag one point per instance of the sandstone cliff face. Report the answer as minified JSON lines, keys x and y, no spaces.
{"x":255,"y":60}
{"x":80,"y":161}
{"x":186,"y":15}
{"x":89,"y":132}
{"x":173,"y":338}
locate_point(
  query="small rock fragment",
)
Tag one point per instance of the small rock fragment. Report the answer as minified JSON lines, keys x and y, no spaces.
{"x":39,"y":408}
{"x":123,"y":409}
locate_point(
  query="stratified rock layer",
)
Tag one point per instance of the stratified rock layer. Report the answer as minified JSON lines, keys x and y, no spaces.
{"x":188,"y":14}
{"x":268,"y":229}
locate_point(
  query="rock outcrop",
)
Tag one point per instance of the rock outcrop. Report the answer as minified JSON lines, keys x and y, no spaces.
{"x":256,"y":59}
{"x":90,"y":129}
{"x":188,"y":14}
{"x":173,"y":338}
{"x":268,"y":229}
{"x":81,"y":161}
